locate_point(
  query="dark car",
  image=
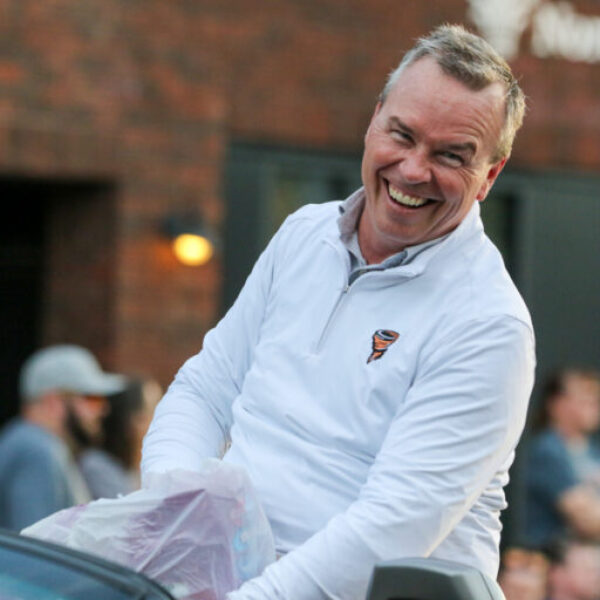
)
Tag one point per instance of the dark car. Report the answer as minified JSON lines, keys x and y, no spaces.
{"x":31,"y":569}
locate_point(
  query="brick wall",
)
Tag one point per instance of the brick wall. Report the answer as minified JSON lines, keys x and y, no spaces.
{"x":146,"y":95}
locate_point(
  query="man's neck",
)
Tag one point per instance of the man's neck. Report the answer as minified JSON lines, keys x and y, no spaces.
{"x":572,"y":436}
{"x":38,"y":415}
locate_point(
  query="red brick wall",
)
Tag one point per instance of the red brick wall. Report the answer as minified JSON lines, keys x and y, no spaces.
{"x":78,"y":286}
{"x":147,"y":94}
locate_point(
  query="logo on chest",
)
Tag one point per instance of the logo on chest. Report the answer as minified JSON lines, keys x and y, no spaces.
{"x":382,"y":340}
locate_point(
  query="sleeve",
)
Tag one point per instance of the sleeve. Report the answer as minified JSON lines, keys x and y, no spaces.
{"x":192,"y":420}
{"x":459,"y":424}
{"x":34,"y":491}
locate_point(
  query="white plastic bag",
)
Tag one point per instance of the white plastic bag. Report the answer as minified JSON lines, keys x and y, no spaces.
{"x":200,"y":535}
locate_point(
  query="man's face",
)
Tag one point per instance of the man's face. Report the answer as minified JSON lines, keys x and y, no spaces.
{"x":84,"y":418}
{"x":427,"y":158}
{"x":580,"y":575}
{"x":582,"y":399}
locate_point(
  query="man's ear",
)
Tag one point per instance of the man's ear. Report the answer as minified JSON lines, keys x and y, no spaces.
{"x":492,"y":173}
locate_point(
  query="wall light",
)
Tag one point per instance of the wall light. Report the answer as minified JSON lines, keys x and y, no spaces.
{"x":193,"y":242}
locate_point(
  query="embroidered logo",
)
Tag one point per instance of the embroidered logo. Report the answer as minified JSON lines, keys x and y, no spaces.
{"x":382,"y":339}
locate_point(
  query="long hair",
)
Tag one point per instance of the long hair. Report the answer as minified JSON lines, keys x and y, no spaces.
{"x":118,"y":438}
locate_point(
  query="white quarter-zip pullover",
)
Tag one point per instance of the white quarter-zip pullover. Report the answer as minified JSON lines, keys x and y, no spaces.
{"x":377,"y":420}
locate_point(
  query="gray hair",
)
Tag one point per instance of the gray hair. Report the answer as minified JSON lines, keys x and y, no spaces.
{"x":472,"y":61}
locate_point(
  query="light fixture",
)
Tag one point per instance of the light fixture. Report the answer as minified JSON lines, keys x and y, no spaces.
{"x":193,"y":242}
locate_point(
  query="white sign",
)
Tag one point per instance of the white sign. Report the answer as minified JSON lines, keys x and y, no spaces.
{"x":556,"y":28}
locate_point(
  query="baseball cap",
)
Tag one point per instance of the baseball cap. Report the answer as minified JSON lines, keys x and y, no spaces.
{"x":69,"y":368}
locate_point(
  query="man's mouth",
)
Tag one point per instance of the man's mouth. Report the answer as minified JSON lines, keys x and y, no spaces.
{"x":411,"y":201}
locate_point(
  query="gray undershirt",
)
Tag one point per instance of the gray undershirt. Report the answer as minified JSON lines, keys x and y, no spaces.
{"x":350,"y":212}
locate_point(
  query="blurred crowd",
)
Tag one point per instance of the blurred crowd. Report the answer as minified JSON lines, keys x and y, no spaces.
{"x":558,"y":555}
{"x":78,"y":437}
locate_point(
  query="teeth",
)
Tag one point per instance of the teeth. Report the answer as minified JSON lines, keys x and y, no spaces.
{"x":399,"y":197}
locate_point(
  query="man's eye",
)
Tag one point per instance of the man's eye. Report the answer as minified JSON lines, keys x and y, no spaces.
{"x":452,"y":159}
{"x":401,"y":135}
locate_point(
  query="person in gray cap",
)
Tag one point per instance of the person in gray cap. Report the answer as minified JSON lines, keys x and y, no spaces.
{"x":63,"y":400}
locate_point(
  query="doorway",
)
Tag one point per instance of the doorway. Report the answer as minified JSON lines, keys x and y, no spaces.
{"x":56,"y":270}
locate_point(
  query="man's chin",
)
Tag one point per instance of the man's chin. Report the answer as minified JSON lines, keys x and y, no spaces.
{"x":80,"y":434}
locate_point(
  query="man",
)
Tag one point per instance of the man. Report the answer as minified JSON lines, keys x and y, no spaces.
{"x":62,"y":392}
{"x":524,"y":574}
{"x":574,"y":571}
{"x":373,"y":375}
{"x":563,"y":460}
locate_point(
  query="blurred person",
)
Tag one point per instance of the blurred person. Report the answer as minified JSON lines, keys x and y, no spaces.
{"x":574,"y":571}
{"x":111,"y":467}
{"x":562,"y":460}
{"x":62,"y":391}
{"x":524,"y":574}
{"x":373,"y":375}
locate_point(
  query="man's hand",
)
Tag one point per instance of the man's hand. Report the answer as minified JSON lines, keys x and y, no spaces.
{"x":581,"y":507}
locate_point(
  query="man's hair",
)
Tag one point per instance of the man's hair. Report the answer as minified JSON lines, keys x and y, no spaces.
{"x":472,"y":61}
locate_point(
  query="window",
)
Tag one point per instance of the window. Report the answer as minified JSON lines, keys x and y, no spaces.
{"x":263,"y":186}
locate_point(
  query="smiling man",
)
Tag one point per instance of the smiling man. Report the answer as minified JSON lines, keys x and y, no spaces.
{"x":374,"y":373}
{"x":430,"y":152}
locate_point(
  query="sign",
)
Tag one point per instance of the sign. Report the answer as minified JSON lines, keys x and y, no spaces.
{"x":557,"y":29}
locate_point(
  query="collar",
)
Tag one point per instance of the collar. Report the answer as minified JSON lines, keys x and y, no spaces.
{"x":350,"y":212}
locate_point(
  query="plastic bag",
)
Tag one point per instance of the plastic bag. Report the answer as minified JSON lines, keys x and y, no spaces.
{"x":200,"y":535}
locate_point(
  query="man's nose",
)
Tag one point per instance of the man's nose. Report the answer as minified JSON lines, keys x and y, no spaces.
{"x":415,"y":168}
